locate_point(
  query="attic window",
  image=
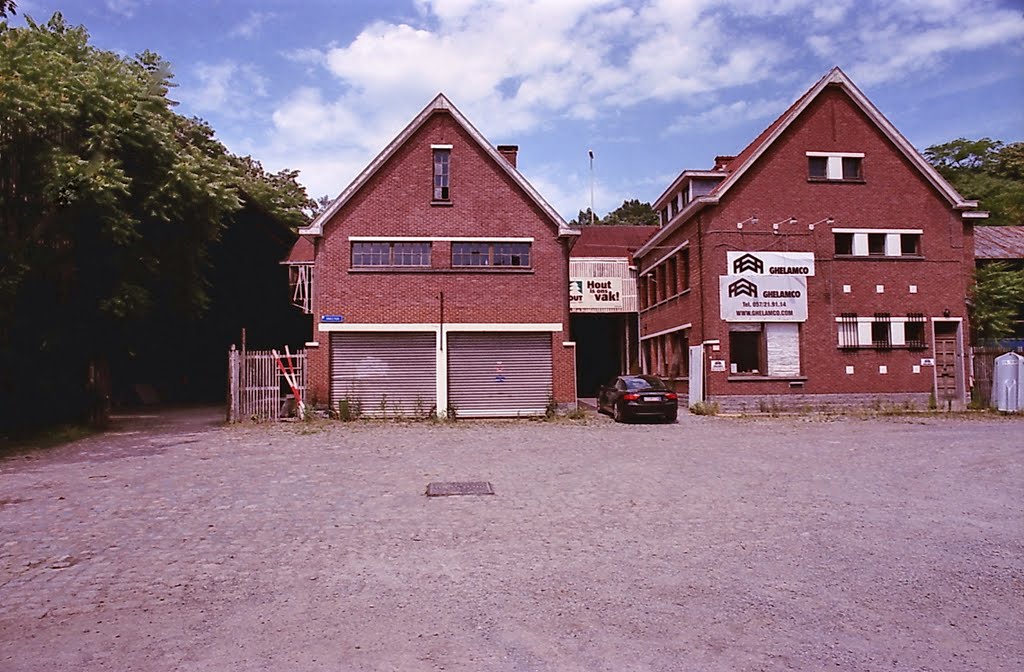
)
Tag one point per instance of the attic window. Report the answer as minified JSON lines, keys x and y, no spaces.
{"x":442,"y":172}
{"x":835,"y":166}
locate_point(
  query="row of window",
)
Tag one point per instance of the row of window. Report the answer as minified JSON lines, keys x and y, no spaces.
{"x":667,"y":279}
{"x":773,"y":348}
{"x":418,"y":254}
{"x":887,"y":244}
{"x":668,"y":355}
{"x":882,"y":331}
{"x":835,"y":167}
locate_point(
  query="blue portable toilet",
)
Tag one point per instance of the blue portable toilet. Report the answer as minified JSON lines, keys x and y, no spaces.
{"x":1008,"y":382}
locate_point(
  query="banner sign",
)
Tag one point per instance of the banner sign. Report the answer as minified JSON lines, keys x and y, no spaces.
{"x":766,"y":298}
{"x":770,"y":263}
{"x":595,"y":293}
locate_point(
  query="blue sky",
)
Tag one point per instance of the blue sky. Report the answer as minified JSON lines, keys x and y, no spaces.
{"x":653,"y":86}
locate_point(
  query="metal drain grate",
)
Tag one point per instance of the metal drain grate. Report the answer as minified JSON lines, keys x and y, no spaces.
{"x":459,"y":488}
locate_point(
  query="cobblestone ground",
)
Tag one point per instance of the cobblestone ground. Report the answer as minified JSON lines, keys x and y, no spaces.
{"x":175,"y":543}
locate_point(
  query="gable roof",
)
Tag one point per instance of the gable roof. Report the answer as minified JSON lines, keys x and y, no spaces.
{"x":999,"y":242}
{"x":604,"y":240}
{"x":440,"y":104}
{"x":737,"y":167}
{"x":301,"y":252}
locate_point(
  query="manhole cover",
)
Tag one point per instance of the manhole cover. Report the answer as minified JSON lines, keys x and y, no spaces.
{"x":459,"y":488}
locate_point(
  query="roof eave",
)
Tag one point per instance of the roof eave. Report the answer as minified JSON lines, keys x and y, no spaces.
{"x":686,"y":175}
{"x":691,"y":209}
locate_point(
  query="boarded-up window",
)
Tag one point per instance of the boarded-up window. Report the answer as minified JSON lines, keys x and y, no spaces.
{"x":782,"y":341}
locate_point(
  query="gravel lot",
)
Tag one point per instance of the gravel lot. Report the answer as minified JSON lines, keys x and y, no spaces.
{"x":175,"y":543}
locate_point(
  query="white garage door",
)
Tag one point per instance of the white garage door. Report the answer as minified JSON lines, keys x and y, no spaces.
{"x":499,"y":374}
{"x":385,"y":374}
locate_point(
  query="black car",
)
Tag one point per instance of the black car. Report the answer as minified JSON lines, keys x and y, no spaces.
{"x":631,"y":397}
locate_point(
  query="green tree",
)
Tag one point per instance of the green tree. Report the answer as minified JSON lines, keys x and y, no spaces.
{"x":109,"y":201}
{"x":279,"y":194}
{"x":987,"y":170}
{"x":998,"y":293}
{"x":993,"y":173}
{"x":584,"y":218}
{"x":8,"y":6}
{"x":632,"y":213}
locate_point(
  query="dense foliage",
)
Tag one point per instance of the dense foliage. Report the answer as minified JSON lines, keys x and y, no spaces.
{"x":993,"y":173}
{"x":109,"y":202}
{"x":987,"y":170}
{"x":630,"y":213}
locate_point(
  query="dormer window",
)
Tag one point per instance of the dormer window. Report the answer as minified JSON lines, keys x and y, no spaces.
{"x":835,"y":166}
{"x":442,"y":172}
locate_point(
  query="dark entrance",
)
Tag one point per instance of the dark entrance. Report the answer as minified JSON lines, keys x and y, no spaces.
{"x":600,"y":349}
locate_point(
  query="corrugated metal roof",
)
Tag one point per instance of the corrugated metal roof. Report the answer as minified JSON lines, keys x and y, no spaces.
{"x":610,"y":241}
{"x":999,"y":242}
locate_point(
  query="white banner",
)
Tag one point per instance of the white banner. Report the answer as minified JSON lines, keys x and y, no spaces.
{"x":771,"y":263}
{"x":595,"y":293}
{"x":765,"y":298}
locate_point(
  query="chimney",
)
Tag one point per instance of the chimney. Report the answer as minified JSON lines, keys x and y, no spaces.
{"x":510,"y":152}
{"x":722,"y":162}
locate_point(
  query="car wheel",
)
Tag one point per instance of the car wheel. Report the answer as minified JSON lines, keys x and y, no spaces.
{"x":670,"y":419}
{"x":617,"y":414}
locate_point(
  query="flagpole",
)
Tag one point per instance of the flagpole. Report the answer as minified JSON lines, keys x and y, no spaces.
{"x":591,"y":153}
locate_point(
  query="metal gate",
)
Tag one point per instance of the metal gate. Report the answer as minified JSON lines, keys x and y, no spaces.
{"x":257,"y":388}
{"x":499,"y":374}
{"x":384,"y":374}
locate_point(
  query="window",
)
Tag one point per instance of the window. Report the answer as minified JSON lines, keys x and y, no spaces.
{"x":851,"y":168}
{"x":914,"y":330}
{"x":881,"y":333}
{"x":817,"y":167}
{"x":849,"y":337}
{"x":837,"y":167}
{"x":672,"y":277}
{"x":512,"y":254}
{"x":442,"y":174}
{"x":910,"y":244}
{"x":745,"y":349}
{"x":844,"y":243}
{"x":685,"y":259}
{"x":368,"y":254}
{"x":768,"y":349}
{"x":504,"y":255}
{"x":878,"y":243}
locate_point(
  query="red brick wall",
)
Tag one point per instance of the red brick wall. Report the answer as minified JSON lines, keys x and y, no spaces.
{"x":485,"y":202}
{"x":894,"y":195}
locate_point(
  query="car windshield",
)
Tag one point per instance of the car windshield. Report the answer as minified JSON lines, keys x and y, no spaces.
{"x":644,"y":383}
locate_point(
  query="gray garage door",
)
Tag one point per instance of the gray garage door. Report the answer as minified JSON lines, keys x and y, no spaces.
{"x":499,"y":374}
{"x":385,"y":374}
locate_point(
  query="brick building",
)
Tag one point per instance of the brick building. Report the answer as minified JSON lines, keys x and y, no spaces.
{"x":439,"y":279}
{"x":828,"y":263}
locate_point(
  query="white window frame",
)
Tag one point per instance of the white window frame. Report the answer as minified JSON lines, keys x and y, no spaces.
{"x":897,"y":332}
{"x":893,"y":241}
{"x":834,"y":165}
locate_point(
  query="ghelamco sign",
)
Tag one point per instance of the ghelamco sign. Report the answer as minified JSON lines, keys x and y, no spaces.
{"x":770,"y":263}
{"x":765,"y":298}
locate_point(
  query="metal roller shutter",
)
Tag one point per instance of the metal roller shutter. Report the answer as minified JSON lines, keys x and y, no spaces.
{"x":388,"y":374}
{"x":499,"y":374}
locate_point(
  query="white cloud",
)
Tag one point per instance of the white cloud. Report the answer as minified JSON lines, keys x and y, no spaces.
{"x":252,"y":25}
{"x":516,"y":66}
{"x":725,"y":115}
{"x":226,"y":87}
{"x":125,"y":8}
